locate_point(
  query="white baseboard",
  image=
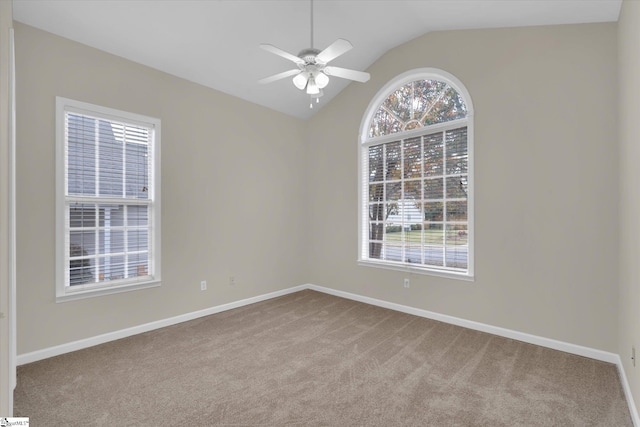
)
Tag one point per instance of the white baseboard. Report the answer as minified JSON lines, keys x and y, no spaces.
{"x":507,"y":333}
{"x":495,"y":330}
{"x":627,"y":393}
{"x":123,"y":333}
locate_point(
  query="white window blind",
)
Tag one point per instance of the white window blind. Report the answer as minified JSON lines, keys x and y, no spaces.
{"x":417,"y":199}
{"x":110,"y":218}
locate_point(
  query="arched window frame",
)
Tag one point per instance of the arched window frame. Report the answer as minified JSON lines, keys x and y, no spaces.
{"x":363,"y":170}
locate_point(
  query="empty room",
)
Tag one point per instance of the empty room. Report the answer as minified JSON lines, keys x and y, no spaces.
{"x":319,"y":213}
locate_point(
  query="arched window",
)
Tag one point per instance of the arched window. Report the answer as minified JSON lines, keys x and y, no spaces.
{"x":416,"y":186}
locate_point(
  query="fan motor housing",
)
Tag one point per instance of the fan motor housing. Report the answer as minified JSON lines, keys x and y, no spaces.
{"x":309,"y":55}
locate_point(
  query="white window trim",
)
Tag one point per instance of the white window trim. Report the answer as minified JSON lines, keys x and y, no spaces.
{"x":66,"y":293}
{"x":364,"y":141}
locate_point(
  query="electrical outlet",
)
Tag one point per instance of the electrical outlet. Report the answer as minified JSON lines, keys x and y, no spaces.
{"x":203,"y":285}
{"x":406,"y":283}
{"x":232,"y":281}
{"x":633,"y":355}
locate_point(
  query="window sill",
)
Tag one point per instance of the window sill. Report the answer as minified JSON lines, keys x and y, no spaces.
{"x":105,"y":290}
{"x":417,"y":270}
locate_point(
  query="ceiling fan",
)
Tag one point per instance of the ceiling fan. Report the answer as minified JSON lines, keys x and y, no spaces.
{"x":312,"y":74}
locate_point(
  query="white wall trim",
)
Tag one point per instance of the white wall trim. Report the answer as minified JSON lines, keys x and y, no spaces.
{"x":495,"y":330}
{"x":34,"y":356}
{"x":627,"y":393}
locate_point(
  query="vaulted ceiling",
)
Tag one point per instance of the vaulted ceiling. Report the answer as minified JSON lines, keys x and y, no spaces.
{"x":216,"y":43}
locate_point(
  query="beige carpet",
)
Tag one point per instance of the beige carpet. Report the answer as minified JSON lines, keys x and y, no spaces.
{"x":310,"y":359}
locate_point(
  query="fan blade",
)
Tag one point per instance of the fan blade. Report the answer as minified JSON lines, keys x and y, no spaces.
{"x":278,"y":76}
{"x":336,"y":49}
{"x":344,"y":73}
{"x":271,"y":48}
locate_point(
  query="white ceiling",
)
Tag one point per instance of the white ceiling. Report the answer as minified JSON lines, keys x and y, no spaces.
{"x":215,"y":42}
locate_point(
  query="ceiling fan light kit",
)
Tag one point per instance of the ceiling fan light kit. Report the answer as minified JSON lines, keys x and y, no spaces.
{"x":312,"y":74}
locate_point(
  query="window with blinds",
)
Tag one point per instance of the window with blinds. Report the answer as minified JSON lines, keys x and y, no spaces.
{"x":416,"y":187}
{"x":108,"y":200}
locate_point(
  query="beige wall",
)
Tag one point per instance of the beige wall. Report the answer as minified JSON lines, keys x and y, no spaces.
{"x":545,"y":174}
{"x":233,"y":183}
{"x":629,"y":136}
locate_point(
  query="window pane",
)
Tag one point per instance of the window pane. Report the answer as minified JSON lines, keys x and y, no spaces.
{"x":376,"y":192}
{"x":443,"y":103}
{"x":457,"y":234}
{"x":137,"y":215}
{"x":433,"y":188}
{"x":434,"y":255}
{"x":433,"y":152}
{"x":457,"y":211}
{"x":411,"y":212}
{"x":399,"y":103}
{"x":413,"y":234}
{"x":457,"y":187}
{"x":413,"y":190}
{"x":384,"y":123}
{"x":457,"y":252}
{"x":111,"y":215}
{"x":83,"y":243}
{"x":111,"y":242}
{"x":81,"y":155}
{"x":413,"y":124}
{"x":375,"y":163}
{"x":377,"y":212}
{"x":457,"y":154}
{"x":393,"y":243}
{"x":111,"y":268}
{"x":433,"y":211}
{"x":413,"y":254}
{"x":111,"y":171}
{"x":393,"y":191}
{"x":137,"y":240}
{"x":433,"y":234}
{"x":138,"y":265}
{"x":413,"y":158}
{"x":137,"y":185}
{"x":81,"y":271}
{"x":393,"y":166}
{"x":376,"y":230}
{"x":82,"y":215}
{"x":421,"y":102}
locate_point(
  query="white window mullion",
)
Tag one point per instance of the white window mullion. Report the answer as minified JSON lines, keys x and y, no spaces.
{"x":423,"y":200}
{"x":403,"y":236}
{"x":124,"y":162}
{"x":444,"y":197}
{"x":365,"y":203}
{"x":96,"y":249}
{"x":125,"y":208}
{"x":107,"y":242}
{"x":151,"y":194}
{"x":126,"y":241}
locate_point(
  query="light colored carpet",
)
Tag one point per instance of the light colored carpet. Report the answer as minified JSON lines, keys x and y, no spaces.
{"x":311,"y":359}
